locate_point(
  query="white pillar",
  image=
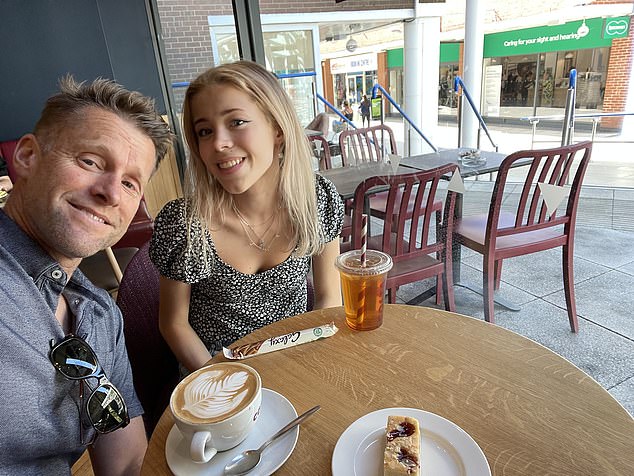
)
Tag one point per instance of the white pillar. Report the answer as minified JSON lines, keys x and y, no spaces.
{"x":472,"y":69}
{"x":421,"y":61}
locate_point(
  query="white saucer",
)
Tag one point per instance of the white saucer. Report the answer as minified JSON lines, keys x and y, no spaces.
{"x":276,"y":412}
{"x":446,"y":449}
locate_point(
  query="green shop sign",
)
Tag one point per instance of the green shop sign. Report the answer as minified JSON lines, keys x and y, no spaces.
{"x":395,"y":58}
{"x":574,"y":35}
{"x":449,"y":53}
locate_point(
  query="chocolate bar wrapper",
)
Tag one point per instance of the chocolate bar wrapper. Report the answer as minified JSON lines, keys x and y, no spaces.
{"x":280,"y":342}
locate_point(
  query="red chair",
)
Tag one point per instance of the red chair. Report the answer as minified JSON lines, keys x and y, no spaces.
{"x":371,"y":144}
{"x":154,"y":366}
{"x":325,"y":161}
{"x":406,"y":230}
{"x":6,"y":151}
{"x":528,"y":228}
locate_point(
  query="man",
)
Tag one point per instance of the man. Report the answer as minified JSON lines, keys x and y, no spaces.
{"x":80,"y":176}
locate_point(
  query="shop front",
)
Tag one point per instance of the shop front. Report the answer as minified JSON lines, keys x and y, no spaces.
{"x":527,"y":70}
{"x":532,"y":65}
{"x":353,"y":76}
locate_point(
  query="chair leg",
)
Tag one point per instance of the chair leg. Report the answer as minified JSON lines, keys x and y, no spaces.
{"x":439,"y":290}
{"x":569,"y":286}
{"x":439,"y":256}
{"x":447,"y":281}
{"x":488,"y":279}
{"x":391,"y":295}
{"x":498,"y":273}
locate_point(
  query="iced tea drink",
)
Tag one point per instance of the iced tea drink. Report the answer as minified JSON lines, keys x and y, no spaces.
{"x":363,"y":287}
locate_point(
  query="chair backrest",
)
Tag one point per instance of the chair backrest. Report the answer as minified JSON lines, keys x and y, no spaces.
{"x":548,"y":166}
{"x":407,"y":225}
{"x":140,"y":229}
{"x":371,"y":144}
{"x":154,"y":366}
{"x":7,"y":148}
{"x":319,"y":143}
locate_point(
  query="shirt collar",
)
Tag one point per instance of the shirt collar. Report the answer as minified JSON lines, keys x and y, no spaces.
{"x":31,"y":256}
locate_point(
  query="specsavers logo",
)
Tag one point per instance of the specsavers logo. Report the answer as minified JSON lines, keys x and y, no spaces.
{"x":615,"y":27}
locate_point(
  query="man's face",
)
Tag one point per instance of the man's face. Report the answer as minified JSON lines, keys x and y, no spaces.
{"x":81,"y":193}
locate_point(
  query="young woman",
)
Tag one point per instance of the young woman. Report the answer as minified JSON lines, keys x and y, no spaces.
{"x":235,"y":253}
{"x":364,"y":109}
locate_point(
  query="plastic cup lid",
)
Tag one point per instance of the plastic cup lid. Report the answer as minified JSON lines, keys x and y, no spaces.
{"x":376,"y":262}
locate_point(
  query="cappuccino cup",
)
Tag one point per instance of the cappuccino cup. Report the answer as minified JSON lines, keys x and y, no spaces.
{"x":216,"y":407}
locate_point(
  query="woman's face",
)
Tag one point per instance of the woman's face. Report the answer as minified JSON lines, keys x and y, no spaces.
{"x":236,"y":141}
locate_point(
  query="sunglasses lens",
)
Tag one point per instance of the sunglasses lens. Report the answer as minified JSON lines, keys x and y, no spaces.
{"x":106,"y":409}
{"x":74,"y":359}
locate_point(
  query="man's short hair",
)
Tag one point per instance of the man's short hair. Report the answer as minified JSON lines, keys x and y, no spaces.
{"x":73,"y":98}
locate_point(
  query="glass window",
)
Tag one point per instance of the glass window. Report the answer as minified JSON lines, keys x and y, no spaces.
{"x":289,"y":54}
{"x":549,"y":73}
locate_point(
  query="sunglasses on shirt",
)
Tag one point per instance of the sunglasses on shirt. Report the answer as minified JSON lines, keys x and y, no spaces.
{"x":76,"y":360}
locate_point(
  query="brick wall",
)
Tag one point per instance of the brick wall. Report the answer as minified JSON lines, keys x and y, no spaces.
{"x":185,"y":31}
{"x":619,"y":74}
{"x":308,"y":6}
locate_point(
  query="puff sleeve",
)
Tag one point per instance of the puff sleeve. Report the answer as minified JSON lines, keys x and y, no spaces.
{"x":329,"y":208}
{"x":178,"y":253}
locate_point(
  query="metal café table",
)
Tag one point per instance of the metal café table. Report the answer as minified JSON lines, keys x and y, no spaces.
{"x":530,"y":411}
{"x":347,"y":179}
{"x":452,"y":156}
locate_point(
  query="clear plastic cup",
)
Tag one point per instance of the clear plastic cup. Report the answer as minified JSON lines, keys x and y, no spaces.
{"x":363,"y":287}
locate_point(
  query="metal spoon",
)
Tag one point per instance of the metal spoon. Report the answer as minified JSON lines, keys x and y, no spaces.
{"x":247,"y":460}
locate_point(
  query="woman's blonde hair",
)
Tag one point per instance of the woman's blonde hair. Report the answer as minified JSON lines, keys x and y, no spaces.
{"x":209,"y":201}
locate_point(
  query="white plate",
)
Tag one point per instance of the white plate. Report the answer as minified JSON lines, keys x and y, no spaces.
{"x":446,"y":449}
{"x":276,"y":412}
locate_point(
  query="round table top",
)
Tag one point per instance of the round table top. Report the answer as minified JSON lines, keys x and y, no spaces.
{"x":531,"y":411}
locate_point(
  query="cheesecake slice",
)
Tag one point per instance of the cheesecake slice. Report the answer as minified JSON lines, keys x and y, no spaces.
{"x":402,"y":447}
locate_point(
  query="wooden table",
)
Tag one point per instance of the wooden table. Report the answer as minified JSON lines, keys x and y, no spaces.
{"x":531,"y":411}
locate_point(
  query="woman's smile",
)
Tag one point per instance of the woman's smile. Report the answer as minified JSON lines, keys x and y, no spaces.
{"x":228,"y":164}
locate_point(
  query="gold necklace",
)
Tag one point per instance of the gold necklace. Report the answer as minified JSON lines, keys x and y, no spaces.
{"x":249,"y":231}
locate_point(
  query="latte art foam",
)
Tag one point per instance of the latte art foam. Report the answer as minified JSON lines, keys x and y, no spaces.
{"x":215,"y":393}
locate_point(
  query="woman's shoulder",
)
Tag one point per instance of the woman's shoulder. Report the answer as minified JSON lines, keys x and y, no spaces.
{"x":172,"y":227}
{"x":173,"y":209}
